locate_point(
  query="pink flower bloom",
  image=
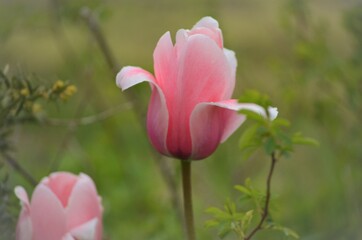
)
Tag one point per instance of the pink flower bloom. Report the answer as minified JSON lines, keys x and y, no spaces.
{"x":190,"y":112}
{"x":63,"y":207}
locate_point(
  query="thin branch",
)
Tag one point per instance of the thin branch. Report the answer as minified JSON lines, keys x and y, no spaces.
{"x":71,"y":123}
{"x":93,"y":25}
{"x":18,"y":168}
{"x":267,"y":200}
{"x":161,"y":162}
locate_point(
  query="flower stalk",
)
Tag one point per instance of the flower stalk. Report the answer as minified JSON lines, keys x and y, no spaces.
{"x":187,"y":197}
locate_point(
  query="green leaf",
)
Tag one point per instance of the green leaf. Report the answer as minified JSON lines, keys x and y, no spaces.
{"x":287,"y":231}
{"x":224,"y":230}
{"x":280,"y":122}
{"x":243,"y":189}
{"x":299,"y":139}
{"x":270,"y":145}
{"x":211,"y":223}
{"x":254,"y":116}
{"x":254,"y":96}
{"x":249,"y":141}
{"x":218,"y":213}
{"x":246,"y":220}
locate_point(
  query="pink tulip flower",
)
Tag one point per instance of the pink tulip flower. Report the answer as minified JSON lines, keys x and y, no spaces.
{"x":63,"y":207}
{"x":191,"y":111}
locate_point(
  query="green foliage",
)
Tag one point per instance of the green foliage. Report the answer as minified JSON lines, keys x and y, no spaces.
{"x":229,"y":220}
{"x":22,"y":99}
{"x":7,"y":219}
{"x":238,"y":219}
{"x":272,"y":136}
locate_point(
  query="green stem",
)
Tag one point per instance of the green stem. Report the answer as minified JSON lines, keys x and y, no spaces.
{"x":267,"y":200}
{"x":187,"y":193}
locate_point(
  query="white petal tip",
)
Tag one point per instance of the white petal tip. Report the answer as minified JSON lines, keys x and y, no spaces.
{"x":273,"y":112}
{"x":22,"y":195}
{"x":130,"y":76}
{"x":207,"y":22}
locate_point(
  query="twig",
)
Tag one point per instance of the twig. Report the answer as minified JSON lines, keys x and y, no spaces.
{"x":267,"y":200}
{"x":17,"y":167}
{"x":164,"y":168}
{"x":71,"y":123}
{"x":93,"y":25}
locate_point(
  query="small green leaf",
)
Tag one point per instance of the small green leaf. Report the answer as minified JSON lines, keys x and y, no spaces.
{"x":246,"y":220}
{"x":299,"y":139}
{"x":211,"y":223}
{"x":254,"y":116}
{"x":287,"y":231}
{"x":224,"y":230}
{"x":270,"y":145}
{"x":255,"y":97}
{"x":250,"y":141}
{"x":243,"y":189}
{"x":280,"y":122}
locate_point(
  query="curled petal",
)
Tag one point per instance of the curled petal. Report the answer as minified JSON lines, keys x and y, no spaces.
{"x":157,"y":117}
{"x":212,"y":123}
{"x":23,"y":196}
{"x":273,"y":113}
{"x":130,"y":76}
{"x":24,"y":230}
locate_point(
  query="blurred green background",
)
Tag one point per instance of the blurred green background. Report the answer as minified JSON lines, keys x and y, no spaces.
{"x":306,"y":55}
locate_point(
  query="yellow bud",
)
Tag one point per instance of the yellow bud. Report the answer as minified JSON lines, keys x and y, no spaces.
{"x":58,"y":85}
{"x":45,"y":95}
{"x":70,"y":90}
{"x":24,"y":92}
{"x":36,"y":108}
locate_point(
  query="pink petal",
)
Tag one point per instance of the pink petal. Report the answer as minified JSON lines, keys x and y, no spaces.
{"x":23,"y":196}
{"x":68,"y":236}
{"x":24,"y":230}
{"x":47,"y":214}
{"x":130,"y":76}
{"x":203,"y":76}
{"x":207,"y":22}
{"x":230,"y":56}
{"x":212,"y":123}
{"x":157,"y":116}
{"x":86,"y":231}
{"x":209,"y":27}
{"x":84,"y":205}
{"x":158,"y":121}
{"x":61,"y":183}
{"x":164,"y":58}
